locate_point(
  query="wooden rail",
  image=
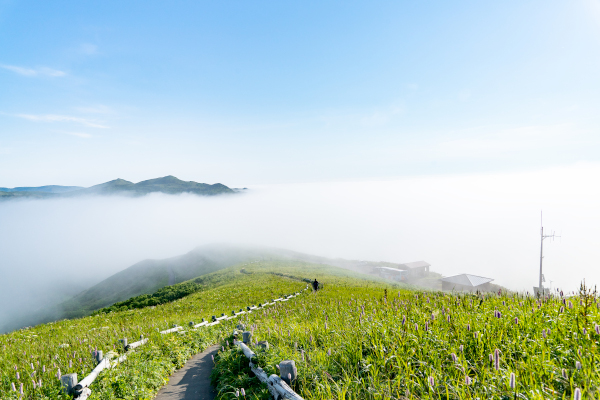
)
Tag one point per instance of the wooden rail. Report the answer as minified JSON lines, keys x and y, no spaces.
{"x":81,"y":391}
{"x":277,"y":386}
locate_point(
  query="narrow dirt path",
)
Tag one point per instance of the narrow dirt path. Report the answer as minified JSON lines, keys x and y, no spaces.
{"x":193,"y":380}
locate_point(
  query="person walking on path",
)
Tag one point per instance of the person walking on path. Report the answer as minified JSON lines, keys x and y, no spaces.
{"x":315,"y":285}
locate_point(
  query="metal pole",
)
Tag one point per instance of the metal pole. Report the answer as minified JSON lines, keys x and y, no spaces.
{"x":540,"y":289}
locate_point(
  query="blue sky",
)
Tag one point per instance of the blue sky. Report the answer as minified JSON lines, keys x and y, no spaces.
{"x":259,"y":92}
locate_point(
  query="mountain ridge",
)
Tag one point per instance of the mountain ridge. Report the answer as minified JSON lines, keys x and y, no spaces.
{"x":167,"y":184}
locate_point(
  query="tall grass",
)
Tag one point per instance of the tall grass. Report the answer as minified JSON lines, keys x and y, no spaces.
{"x":355,"y":340}
{"x":40,"y":354}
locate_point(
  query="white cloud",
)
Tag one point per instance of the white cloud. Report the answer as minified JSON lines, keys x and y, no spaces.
{"x":88,"y":49}
{"x":42,"y":71}
{"x":62,"y":118}
{"x":99,"y":109}
{"x":82,"y":135}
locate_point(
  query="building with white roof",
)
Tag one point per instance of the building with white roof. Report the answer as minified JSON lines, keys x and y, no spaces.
{"x":466,"y":282}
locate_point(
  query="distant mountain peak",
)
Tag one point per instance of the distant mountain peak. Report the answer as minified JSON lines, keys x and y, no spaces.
{"x":167,"y":184}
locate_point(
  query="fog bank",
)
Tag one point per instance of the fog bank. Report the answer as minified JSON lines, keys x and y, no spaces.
{"x":481,"y":224}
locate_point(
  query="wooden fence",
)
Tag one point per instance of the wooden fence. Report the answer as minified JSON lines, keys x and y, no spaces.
{"x":81,"y":391}
{"x":277,"y":385}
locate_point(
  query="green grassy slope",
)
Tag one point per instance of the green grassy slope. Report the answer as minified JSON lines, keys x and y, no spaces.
{"x":360,"y":341}
{"x":67,"y":344}
{"x":358,"y":338}
{"x":148,"y":276}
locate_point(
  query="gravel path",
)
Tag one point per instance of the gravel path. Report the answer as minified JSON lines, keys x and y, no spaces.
{"x":193,"y":380}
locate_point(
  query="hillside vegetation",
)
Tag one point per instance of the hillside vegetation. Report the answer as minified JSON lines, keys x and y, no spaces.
{"x":167,"y":184}
{"x":358,"y":338}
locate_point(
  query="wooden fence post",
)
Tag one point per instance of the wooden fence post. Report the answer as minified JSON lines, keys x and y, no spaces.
{"x":263,"y":344}
{"x":247,"y":337}
{"x":124,"y":343}
{"x":98,"y":356}
{"x":68,"y":381}
{"x":288,"y":371}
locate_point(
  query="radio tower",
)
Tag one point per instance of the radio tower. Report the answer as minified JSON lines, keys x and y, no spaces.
{"x":540,"y":289}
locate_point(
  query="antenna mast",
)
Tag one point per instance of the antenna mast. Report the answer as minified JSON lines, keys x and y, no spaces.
{"x":540,"y":289}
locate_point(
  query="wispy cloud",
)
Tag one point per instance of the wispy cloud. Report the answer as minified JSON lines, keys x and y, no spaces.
{"x":88,"y":49}
{"x":42,"y":71}
{"x":62,"y":118}
{"x":82,"y":135}
{"x":99,"y":109}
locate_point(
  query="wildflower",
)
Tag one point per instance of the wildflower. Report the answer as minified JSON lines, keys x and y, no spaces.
{"x":544,"y":333}
{"x":426,"y":326}
{"x":476,"y":335}
{"x":18,"y":377}
{"x":34,"y":384}
{"x":40,"y":383}
{"x":44,"y":369}
{"x":404,"y":320}
{"x":329,"y":352}
{"x":562,"y":310}
{"x":496,"y":359}
{"x":21,"y":389}
{"x":467,"y":380}
{"x":237,"y":393}
{"x":222,"y":348}
{"x":577,"y":394}
{"x":431,"y":381}
{"x":469,"y":327}
{"x":512,"y":381}
{"x":584,"y":331}
{"x":597,"y":328}
{"x":290,"y":377}
{"x":416,"y":327}
{"x":461,"y":348}
{"x":277,"y":365}
{"x":12,"y":384}
{"x":578,"y":365}
{"x":448,"y":318}
{"x":570,"y":305}
{"x":564,"y":373}
{"x":454,"y":358}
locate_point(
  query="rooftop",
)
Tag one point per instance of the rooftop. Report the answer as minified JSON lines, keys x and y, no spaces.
{"x":467,"y":280}
{"x":415,"y":264}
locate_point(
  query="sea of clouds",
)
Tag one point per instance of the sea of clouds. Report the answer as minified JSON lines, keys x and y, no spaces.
{"x":484,"y":224}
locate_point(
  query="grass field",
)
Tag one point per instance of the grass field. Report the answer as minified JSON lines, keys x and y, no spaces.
{"x":355,"y":339}
{"x":39,"y":353}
